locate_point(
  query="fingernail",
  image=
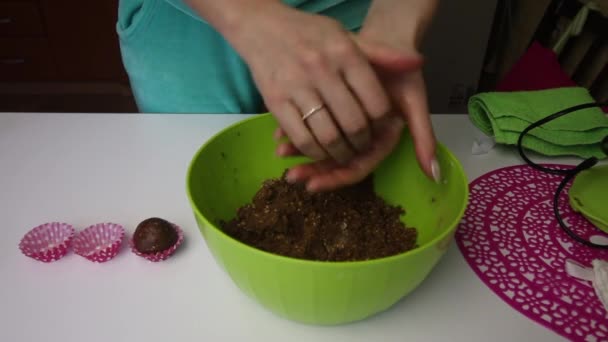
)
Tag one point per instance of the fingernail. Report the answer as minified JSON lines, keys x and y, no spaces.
{"x":312,"y":188}
{"x":436,"y":170}
{"x":290,"y":177}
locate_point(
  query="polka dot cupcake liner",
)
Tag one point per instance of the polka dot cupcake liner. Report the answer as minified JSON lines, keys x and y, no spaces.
{"x":163,"y":255}
{"x":47,"y":242}
{"x":100,"y":242}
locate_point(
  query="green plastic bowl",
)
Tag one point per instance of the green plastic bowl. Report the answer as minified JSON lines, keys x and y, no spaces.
{"x":229,"y":169}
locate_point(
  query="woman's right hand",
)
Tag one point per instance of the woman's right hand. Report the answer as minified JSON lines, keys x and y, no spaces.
{"x":301,"y":61}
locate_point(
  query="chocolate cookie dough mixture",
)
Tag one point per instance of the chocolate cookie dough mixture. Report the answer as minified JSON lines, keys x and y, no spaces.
{"x":348,"y":224}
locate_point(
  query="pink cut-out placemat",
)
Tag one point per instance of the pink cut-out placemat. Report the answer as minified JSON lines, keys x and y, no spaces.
{"x":511,"y":239}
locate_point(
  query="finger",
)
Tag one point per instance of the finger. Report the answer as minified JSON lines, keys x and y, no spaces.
{"x":345,"y":109}
{"x":326,"y":175}
{"x":366,"y":86}
{"x":279,"y":134}
{"x":412,"y":100}
{"x":290,"y":120}
{"x":389,"y":58}
{"x":288,"y":150}
{"x":322,"y":126}
{"x":304,"y":172}
{"x":363,"y":165}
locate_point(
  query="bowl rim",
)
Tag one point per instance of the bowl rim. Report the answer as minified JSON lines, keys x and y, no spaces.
{"x":453,"y":224}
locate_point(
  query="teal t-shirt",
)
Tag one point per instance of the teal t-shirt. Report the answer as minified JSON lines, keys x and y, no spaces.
{"x":177,"y":63}
{"x":348,"y":15}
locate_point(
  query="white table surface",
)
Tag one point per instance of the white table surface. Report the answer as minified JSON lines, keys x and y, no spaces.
{"x":90,"y":168}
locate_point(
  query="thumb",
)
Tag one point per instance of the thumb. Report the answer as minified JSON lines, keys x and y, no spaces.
{"x":389,"y":58}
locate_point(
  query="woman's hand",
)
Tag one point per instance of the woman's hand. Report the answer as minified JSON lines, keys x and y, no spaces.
{"x":389,"y":39}
{"x":400,"y":25}
{"x":300,"y":62}
{"x":407,"y":91}
{"x":328,"y":174}
{"x":400,"y":72}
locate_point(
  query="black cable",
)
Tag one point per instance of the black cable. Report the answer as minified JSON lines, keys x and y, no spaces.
{"x":544,"y":121}
{"x":568,"y":174}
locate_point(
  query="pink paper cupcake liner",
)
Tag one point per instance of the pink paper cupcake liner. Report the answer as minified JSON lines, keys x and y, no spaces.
{"x":159,"y":256}
{"x":47,"y":242}
{"x":100,"y":242}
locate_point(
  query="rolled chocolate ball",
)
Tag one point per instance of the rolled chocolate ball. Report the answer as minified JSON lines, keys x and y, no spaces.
{"x":154,"y":235}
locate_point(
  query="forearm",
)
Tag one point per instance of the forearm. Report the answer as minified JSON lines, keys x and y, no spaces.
{"x":227,"y":16}
{"x":405,"y":20}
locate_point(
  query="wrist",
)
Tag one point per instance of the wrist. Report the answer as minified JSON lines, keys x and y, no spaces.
{"x":232,"y":17}
{"x":400,"y":23}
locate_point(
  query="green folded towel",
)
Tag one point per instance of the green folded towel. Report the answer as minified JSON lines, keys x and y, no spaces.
{"x":504,"y":115}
